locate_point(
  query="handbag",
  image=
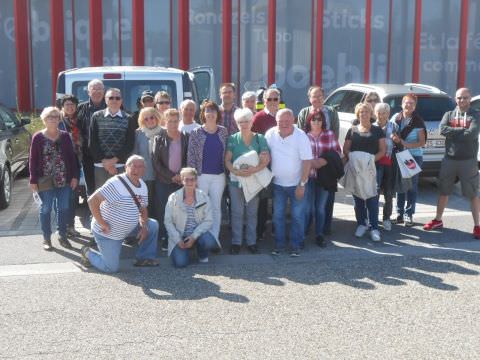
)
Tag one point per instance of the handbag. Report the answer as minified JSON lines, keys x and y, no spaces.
{"x":407,"y":164}
{"x":45,"y":183}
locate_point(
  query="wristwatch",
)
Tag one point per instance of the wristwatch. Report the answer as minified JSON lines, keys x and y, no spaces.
{"x":302,"y":183}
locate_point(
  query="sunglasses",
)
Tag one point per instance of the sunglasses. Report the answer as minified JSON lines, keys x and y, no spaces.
{"x":150,"y":118}
{"x":118,"y":98}
{"x":462,"y":98}
{"x":163,"y":102}
{"x":373,"y":100}
{"x":272,"y":99}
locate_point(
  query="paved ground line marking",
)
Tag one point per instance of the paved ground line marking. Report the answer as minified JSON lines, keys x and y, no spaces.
{"x":39,"y":269}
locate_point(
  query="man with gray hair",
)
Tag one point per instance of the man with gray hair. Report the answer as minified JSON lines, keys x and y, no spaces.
{"x":291,"y":155}
{"x":112,"y":138}
{"x":249,"y":100}
{"x":95,"y":102}
{"x":119,"y":210}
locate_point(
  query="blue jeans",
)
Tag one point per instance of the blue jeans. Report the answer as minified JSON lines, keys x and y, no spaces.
{"x":107,"y":259}
{"x":411,"y":194}
{"x":315,"y":206}
{"x":367,"y":208}
{"x":181,"y":257}
{"x":61,"y":197}
{"x":281,"y":196}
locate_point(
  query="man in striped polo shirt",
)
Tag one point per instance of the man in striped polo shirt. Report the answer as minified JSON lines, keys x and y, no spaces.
{"x":119,"y":210}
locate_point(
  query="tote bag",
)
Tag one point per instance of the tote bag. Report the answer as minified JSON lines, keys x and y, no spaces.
{"x":407,"y":164}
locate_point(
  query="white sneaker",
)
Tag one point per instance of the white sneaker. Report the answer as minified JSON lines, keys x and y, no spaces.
{"x":361,"y":230}
{"x":375,"y":235}
{"x":204,"y":260}
{"x":387,"y":225}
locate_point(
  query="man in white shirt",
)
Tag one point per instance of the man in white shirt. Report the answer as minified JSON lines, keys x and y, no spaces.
{"x":291,"y":157}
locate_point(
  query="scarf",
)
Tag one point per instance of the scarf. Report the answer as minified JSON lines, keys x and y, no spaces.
{"x":150,"y":134}
{"x":415,"y":122}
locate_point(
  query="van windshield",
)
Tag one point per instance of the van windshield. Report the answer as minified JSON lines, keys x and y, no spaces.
{"x":131,"y":90}
{"x":430,"y":108}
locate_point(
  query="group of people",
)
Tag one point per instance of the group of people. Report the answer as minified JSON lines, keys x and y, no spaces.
{"x":160,"y":177}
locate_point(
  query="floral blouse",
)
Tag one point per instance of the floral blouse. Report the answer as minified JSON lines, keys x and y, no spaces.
{"x":53,"y":164}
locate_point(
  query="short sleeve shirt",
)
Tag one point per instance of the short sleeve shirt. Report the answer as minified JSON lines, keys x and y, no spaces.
{"x":119,"y":209}
{"x":366,"y":142}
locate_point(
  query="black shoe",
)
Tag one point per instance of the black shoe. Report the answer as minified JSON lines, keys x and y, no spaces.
{"x":294,"y":253}
{"x":92,"y":244}
{"x":164,"y":244}
{"x":320,"y":241}
{"x":47,"y":245}
{"x":253,"y":249}
{"x":235,"y":250}
{"x":399,"y":219}
{"x":64,"y":242}
{"x":71,"y":232}
{"x":130,"y":241}
{"x":327,"y":232}
{"x":84,"y":260}
{"x":215,"y":250}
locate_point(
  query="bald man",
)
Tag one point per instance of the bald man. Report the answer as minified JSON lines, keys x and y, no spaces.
{"x":460,"y":128}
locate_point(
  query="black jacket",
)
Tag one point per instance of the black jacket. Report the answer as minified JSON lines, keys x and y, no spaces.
{"x":328,"y":175}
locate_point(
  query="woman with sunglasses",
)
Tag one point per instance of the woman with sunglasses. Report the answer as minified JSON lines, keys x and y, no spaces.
{"x":240,"y":143}
{"x":54,"y":174}
{"x":206,"y":154}
{"x":163,"y":102}
{"x":322,"y":141}
{"x":169,"y":157}
{"x":188,"y":219}
{"x":148,"y":128}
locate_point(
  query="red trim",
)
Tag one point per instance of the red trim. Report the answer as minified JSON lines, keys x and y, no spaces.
{"x":227,"y":40}
{"x":416,"y":42}
{"x":183,"y":35}
{"x":272,"y":32}
{"x":319,"y":45}
{"x":239,"y":12}
{"x":20,"y":10}
{"x":171,"y":32}
{"x":57,"y":41}
{"x":119,"y":32}
{"x":462,"y":48}
{"x":74,"y":42}
{"x":389,"y":50}
{"x":138,"y":11}
{"x":96,"y":33}
{"x":368,"y":40}
{"x":312,"y":39}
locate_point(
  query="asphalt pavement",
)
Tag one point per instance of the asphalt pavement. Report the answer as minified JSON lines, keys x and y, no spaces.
{"x":416,"y":295}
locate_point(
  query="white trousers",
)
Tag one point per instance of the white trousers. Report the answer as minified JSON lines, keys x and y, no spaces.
{"x":213,"y":186}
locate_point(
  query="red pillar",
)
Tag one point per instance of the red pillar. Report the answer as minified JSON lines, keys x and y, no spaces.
{"x":319,"y":47}
{"x":272,"y":32}
{"x":389,"y":50}
{"x":462,"y":48}
{"x":22,"y":53}
{"x":57,"y":41}
{"x":368,"y":40}
{"x":96,"y":33}
{"x":138,"y":32}
{"x":227,"y":40}
{"x":183,"y":34}
{"x":416,"y":42}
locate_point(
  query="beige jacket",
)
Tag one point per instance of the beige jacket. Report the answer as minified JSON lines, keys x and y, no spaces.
{"x":176,"y":217}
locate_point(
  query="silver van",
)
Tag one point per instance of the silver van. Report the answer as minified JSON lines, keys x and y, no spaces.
{"x":197,"y":84}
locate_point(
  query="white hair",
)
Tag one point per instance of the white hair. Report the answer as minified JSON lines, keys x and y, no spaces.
{"x":248,"y":95}
{"x":133,"y":158}
{"x":283,"y":111}
{"x":94,"y":82}
{"x":49,"y":110}
{"x":243,"y":114}
{"x":382,"y":107}
{"x":270,"y":90}
{"x":186,"y":102}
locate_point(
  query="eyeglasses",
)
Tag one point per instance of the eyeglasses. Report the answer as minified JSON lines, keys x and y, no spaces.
{"x":243,"y":122}
{"x":373,"y":100}
{"x":209,"y":110}
{"x":317,"y":120}
{"x":189,"y":179}
{"x":147,"y":118}
{"x":53,"y":117}
{"x":462,"y":97}
{"x":272,"y":99}
{"x":69,"y":104}
{"x":118,"y":98}
{"x":166,"y":102}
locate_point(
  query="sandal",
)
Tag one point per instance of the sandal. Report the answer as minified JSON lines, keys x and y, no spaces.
{"x":146,"y":263}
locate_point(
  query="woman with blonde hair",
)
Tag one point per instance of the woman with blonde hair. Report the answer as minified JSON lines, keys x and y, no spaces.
{"x":149,"y":120}
{"x":54,"y":174}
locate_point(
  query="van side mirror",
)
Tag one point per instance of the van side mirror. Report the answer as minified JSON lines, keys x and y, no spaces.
{"x":25,"y":121}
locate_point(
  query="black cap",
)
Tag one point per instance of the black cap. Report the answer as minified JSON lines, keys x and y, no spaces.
{"x":147,"y":94}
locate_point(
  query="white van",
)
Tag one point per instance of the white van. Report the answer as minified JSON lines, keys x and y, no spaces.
{"x":197,"y":84}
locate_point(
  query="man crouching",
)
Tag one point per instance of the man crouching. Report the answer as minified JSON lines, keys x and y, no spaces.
{"x":119,"y":210}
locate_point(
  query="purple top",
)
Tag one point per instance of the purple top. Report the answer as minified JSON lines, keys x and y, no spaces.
{"x":37,"y":158}
{"x":212,"y":154}
{"x":175,"y":156}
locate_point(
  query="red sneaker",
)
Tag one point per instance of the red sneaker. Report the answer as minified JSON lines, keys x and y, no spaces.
{"x":476,"y":232}
{"x":434,"y":225}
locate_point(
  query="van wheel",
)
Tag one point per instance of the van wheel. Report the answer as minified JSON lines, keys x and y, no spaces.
{"x":5,"y":188}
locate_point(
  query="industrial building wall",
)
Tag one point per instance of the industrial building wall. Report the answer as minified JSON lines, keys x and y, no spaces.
{"x":292,"y":43}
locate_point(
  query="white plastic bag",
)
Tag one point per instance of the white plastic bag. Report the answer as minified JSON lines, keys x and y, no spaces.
{"x":407,"y":164}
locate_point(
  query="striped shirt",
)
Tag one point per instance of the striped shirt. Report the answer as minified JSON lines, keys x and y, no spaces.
{"x":191,"y":223}
{"x":119,"y":209}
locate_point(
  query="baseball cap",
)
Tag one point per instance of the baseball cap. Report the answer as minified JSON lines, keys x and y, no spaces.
{"x":147,"y":94}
